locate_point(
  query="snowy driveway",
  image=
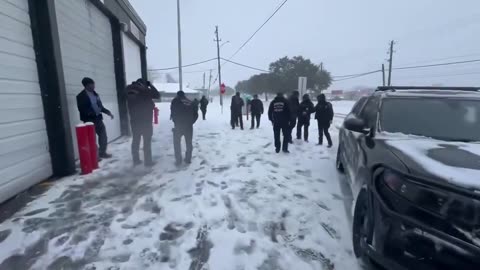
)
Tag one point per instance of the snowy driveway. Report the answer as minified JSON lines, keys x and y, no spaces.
{"x":237,"y":206}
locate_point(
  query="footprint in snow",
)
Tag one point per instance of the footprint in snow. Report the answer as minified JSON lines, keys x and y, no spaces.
{"x":181,"y":198}
{"x":331,"y":231}
{"x":323,"y":206}
{"x":299,"y":196}
{"x":173,"y":231}
{"x":337,"y":197}
{"x":213,"y":184}
{"x":305,"y":173}
{"x":220,"y":168}
{"x":223,"y":185}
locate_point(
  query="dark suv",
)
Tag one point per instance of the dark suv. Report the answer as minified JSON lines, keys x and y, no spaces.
{"x":412,"y":157}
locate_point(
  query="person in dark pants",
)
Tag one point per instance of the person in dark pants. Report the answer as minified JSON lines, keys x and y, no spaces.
{"x":140,"y":107}
{"x":236,"y":111}
{"x":91,"y":108}
{"x":256,"y":109}
{"x":203,"y":106}
{"x":293,"y":104}
{"x":324,"y":117}
{"x":184,"y":114}
{"x":305,"y":110}
{"x":280,"y":116}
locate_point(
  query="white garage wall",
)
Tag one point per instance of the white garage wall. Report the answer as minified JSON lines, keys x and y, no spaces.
{"x":24,"y":155}
{"x":87,"y":51}
{"x":132,"y":59}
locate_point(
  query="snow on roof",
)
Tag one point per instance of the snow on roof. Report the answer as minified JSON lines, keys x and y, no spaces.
{"x":173,"y":88}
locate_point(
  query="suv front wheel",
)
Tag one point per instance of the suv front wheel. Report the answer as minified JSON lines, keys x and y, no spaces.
{"x":360,"y":224}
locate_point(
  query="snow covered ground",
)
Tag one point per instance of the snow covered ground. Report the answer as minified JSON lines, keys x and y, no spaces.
{"x":237,"y":206}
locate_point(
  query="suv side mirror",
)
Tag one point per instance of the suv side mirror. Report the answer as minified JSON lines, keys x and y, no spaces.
{"x":356,"y":124}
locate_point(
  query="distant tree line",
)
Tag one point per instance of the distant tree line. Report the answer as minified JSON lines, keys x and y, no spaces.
{"x":283,"y":77}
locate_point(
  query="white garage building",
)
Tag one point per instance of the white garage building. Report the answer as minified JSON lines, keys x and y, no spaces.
{"x":46,"y":48}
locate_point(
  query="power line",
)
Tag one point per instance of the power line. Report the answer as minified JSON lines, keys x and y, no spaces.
{"x":189,"y":65}
{"x":353,"y":76}
{"x":246,"y":66}
{"x":428,"y":61}
{"x":439,"y":75}
{"x":185,"y":72}
{"x":438,"y":65}
{"x":251,"y":37}
{"x":358,"y":74}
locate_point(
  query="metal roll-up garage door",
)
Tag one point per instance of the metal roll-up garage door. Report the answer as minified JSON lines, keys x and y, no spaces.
{"x":87,"y":51}
{"x":24,"y":154}
{"x":132,"y":59}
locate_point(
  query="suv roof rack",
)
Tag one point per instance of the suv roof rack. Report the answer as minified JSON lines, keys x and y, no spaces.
{"x":395,"y":88}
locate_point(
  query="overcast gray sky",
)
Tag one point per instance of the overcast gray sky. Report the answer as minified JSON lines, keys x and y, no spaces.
{"x":348,"y":36}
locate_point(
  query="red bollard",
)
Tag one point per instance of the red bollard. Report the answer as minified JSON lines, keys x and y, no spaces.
{"x":155,"y":115}
{"x":84,"y":149}
{"x":92,"y":143}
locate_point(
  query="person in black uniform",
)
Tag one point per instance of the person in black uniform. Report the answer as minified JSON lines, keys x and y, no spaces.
{"x":184,"y":114}
{"x":256,"y":109}
{"x":324,"y":116}
{"x":280,"y":116}
{"x":305,"y":109}
{"x":236,"y":111}
{"x":140,"y":95}
{"x":293,"y":104}
{"x":203,"y":106}
{"x":91,"y":108}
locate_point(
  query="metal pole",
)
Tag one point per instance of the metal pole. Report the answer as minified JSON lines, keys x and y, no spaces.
{"x":383,"y":74}
{"x":219,"y":67}
{"x":180,"y":75}
{"x":209,"y":84}
{"x":390,"y":64}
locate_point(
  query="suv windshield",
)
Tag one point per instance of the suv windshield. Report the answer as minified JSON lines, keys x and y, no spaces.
{"x":445,"y":119}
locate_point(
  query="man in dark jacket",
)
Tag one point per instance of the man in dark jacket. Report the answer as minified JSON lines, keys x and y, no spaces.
{"x":324,"y":116}
{"x":280,"y":115}
{"x":140,"y":95}
{"x":91,"y":108}
{"x":203,"y":106}
{"x":256,"y":109}
{"x":305,"y":110}
{"x":236,"y":110}
{"x":184,"y":114}
{"x":293,"y":104}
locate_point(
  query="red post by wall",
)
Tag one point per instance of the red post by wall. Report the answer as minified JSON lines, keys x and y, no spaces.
{"x":155,"y":115}
{"x":84,"y":148}
{"x":92,"y":143}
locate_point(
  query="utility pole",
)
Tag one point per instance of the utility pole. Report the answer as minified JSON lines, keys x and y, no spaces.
{"x":219,"y":66}
{"x":390,"y":62}
{"x":383,"y":74}
{"x":203,"y":80}
{"x":209,"y":84}
{"x":180,"y":75}
{"x":321,"y":66}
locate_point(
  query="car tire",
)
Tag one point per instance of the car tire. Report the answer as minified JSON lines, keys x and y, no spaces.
{"x":339,"y":163}
{"x":360,"y":224}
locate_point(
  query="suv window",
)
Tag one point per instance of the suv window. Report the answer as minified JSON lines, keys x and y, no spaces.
{"x":440,"y":118}
{"x":369,"y":112}
{"x":358,"y":106}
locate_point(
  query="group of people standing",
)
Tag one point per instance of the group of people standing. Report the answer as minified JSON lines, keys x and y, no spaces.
{"x":285,"y":114}
{"x":236,"y":107}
